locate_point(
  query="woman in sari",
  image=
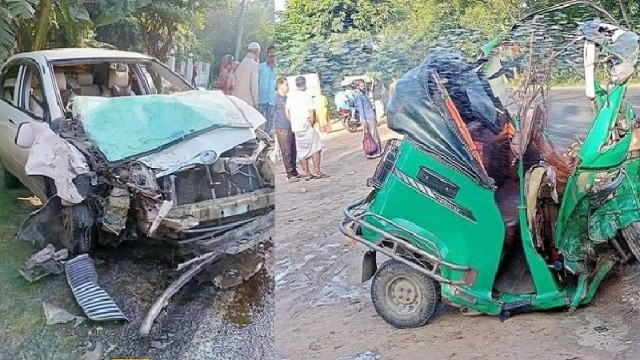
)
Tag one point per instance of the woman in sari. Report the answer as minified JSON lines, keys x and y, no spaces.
{"x":322,"y":113}
{"x":226,"y":75}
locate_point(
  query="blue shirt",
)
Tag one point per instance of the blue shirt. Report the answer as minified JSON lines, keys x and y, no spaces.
{"x":266,"y":84}
{"x":341,"y":100}
{"x":279,"y":117}
{"x":365,"y":110}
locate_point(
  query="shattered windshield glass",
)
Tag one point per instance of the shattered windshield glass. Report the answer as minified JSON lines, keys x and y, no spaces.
{"x":123,"y":128}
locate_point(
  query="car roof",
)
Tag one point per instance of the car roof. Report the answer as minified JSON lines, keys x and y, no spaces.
{"x":83,"y":53}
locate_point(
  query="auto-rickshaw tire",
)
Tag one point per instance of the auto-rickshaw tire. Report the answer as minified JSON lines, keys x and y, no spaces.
{"x":428,"y":290}
{"x":631,"y":235}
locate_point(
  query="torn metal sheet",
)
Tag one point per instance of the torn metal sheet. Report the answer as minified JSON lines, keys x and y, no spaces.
{"x":162,"y":213}
{"x":94,"y":301}
{"x":45,"y":262}
{"x":57,"y":315}
{"x":218,"y":140}
{"x":55,"y":158}
{"x":116,"y":210}
{"x":215,"y":209}
{"x":245,"y":237}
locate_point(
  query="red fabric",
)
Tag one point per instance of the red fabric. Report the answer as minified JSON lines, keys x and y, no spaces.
{"x":227,"y":77}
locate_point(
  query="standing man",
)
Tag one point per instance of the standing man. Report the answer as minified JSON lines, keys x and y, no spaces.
{"x":247,"y":76}
{"x":301,"y":113}
{"x":267,"y":86}
{"x":286,"y":138}
{"x":194,"y":75}
{"x":367,"y":116}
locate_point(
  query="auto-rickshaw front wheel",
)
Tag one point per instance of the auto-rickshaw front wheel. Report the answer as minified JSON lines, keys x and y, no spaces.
{"x":402,"y":296}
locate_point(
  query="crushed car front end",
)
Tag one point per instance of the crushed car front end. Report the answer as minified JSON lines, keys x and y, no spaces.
{"x":183,"y":168}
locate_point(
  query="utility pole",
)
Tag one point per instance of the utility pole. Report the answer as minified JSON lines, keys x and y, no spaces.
{"x":240,"y":30}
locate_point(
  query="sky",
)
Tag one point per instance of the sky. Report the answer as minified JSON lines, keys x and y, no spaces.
{"x":280,"y":4}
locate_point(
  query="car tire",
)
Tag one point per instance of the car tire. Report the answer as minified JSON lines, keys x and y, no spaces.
{"x":79,"y":230}
{"x":631,"y":235}
{"x":404,"y":297}
{"x":8,"y":180}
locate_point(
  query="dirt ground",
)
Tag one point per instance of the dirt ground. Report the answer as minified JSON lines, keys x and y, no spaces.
{"x":200,"y":322}
{"x":324,"y":312}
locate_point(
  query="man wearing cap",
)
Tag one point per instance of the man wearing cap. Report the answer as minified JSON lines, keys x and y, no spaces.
{"x":247,"y":76}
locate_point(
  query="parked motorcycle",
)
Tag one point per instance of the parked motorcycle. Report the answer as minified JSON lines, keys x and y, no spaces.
{"x":352,"y":124}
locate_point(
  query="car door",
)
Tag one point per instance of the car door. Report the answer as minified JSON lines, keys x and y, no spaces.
{"x":28,"y":104}
{"x":10,"y":114}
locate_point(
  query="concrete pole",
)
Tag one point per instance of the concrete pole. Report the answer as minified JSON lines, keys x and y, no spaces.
{"x":240,"y":30}
{"x":171,"y":63}
{"x":189,"y":70}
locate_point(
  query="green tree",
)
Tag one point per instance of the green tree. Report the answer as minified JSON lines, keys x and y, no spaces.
{"x":36,"y":24}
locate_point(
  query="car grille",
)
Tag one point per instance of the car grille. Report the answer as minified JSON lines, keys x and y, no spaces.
{"x":203,"y":183}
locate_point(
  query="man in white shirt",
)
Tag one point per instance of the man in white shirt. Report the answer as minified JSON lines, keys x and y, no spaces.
{"x":301,"y":113}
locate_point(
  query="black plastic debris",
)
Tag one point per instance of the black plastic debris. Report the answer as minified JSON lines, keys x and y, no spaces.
{"x":94,"y":301}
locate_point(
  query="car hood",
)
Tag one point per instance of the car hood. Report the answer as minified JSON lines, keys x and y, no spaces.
{"x":164,"y":130}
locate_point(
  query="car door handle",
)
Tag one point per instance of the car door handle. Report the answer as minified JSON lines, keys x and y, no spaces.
{"x":12,"y":121}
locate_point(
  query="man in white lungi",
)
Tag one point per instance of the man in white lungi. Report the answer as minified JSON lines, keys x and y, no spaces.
{"x":301,"y":113}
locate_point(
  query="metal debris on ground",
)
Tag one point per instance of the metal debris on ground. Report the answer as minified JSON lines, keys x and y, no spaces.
{"x":364,"y":356}
{"x":96,"y":353}
{"x":247,"y":237}
{"x":94,"y":301}
{"x":45,"y":262}
{"x":57,"y":315}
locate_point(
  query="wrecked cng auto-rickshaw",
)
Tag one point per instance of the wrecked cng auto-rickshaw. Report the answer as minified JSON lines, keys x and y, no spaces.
{"x":477,"y":208}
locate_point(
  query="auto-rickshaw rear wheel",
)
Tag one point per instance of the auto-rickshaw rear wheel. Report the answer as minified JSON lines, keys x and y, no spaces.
{"x":631,"y":235}
{"x":403,"y":296}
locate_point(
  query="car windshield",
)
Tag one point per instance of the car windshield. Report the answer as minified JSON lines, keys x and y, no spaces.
{"x":114,"y":78}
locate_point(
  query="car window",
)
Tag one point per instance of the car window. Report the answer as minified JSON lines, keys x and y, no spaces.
{"x":34,"y":101}
{"x":8,"y":83}
{"x":161,"y":80}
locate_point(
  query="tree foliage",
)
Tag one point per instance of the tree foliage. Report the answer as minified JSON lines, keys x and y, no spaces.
{"x":351,"y":37}
{"x":35,"y":24}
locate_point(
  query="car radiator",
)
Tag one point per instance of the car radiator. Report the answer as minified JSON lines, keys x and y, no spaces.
{"x":210,"y":182}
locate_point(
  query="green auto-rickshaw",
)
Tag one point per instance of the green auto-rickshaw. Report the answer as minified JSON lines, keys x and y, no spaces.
{"x":477,"y":208}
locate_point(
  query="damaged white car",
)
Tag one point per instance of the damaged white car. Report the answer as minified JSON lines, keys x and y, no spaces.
{"x":119,"y":147}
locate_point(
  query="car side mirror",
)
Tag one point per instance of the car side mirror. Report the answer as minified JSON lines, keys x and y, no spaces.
{"x":25,"y":136}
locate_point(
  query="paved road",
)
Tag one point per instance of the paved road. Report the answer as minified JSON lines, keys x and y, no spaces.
{"x":325,"y":313}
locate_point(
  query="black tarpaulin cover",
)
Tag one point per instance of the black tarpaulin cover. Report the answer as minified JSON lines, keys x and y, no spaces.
{"x":418,"y":110}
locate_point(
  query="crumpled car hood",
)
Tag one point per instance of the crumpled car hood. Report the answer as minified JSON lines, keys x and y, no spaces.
{"x":161,"y":130}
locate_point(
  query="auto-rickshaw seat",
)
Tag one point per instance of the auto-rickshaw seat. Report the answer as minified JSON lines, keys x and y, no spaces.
{"x":508,"y":199}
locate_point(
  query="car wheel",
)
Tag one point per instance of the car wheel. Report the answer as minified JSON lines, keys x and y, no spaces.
{"x":8,"y":180}
{"x":402,"y":296}
{"x":78,"y":228}
{"x":631,"y":235}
